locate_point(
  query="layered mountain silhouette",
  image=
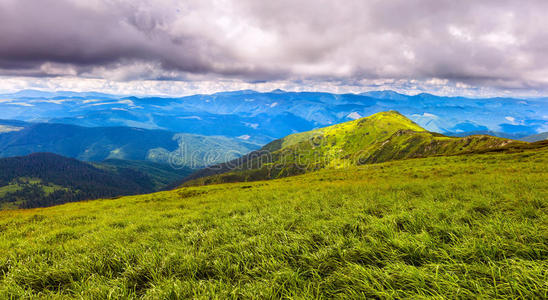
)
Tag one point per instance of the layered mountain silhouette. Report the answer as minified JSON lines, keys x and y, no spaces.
{"x":123,"y":143}
{"x":265,"y":116}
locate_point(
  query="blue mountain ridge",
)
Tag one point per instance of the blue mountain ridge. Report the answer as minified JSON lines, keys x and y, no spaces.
{"x":261,"y":117}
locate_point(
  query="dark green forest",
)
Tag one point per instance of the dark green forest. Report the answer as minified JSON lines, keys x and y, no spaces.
{"x":45,"y":179}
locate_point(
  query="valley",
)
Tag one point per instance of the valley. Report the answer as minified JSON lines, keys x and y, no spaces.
{"x":46,"y":179}
{"x":96,"y":144}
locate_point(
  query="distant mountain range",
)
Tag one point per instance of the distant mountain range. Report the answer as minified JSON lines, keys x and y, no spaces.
{"x":126,"y":143}
{"x":45,"y":179}
{"x":262,"y":117}
{"x":536,"y":137}
{"x":515,"y":136}
{"x":381,"y":137}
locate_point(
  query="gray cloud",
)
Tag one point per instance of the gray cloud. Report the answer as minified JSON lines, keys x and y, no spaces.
{"x":493,"y":43}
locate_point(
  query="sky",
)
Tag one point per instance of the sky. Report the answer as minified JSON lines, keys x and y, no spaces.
{"x":169,"y":47}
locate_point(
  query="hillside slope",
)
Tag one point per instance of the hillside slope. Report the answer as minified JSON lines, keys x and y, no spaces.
{"x":469,"y":226}
{"x":536,"y":137}
{"x":45,"y":179}
{"x":381,"y":137}
{"x":160,"y":174}
{"x":127,"y":143}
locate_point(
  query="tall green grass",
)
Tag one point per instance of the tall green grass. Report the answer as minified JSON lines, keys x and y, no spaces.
{"x":471,"y":226}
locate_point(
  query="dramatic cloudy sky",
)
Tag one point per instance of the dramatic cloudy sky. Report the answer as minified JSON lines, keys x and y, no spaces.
{"x":488,"y":47}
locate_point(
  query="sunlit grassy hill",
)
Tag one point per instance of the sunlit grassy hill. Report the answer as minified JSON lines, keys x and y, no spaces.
{"x":469,"y":226}
{"x":381,"y":137}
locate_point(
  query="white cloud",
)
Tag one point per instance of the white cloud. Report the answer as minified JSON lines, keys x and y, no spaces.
{"x":429,"y":115}
{"x":170,"y":47}
{"x":354,"y":115}
{"x":460,"y":33}
{"x":183,"y":88}
{"x":127,"y":102}
{"x":50,"y":101}
{"x":20,"y":103}
{"x":190,"y":118}
{"x":252,"y":125}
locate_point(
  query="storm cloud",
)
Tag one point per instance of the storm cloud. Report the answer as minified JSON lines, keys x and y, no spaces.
{"x":493,"y":43}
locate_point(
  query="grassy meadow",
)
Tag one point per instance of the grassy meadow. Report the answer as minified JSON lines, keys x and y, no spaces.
{"x":469,"y":226}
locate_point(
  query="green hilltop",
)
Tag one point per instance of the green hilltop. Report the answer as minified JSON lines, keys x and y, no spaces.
{"x":378,"y":138}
